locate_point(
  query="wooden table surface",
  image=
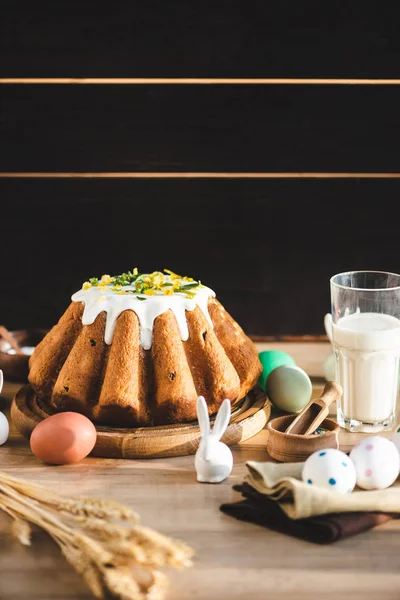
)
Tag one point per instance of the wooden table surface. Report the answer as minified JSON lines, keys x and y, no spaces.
{"x":234,"y":560}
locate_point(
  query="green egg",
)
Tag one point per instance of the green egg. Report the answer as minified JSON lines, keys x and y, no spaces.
{"x":270,"y":359}
{"x":289,"y":388}
{"x":329,"y":366}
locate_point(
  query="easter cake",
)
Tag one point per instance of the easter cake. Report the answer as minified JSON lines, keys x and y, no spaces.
{"x":138,"y":349}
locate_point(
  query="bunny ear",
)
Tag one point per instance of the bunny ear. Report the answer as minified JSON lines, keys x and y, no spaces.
{"x":1,"y":380}
{"x":202,"y":415}
{"x":222,"y":419}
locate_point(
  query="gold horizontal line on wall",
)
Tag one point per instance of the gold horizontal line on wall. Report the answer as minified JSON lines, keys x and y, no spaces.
{"x":194,"y":81}
{"x":233,"y":175}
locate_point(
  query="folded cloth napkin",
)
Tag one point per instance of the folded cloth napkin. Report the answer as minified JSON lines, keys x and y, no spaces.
{"x":277,"y":498}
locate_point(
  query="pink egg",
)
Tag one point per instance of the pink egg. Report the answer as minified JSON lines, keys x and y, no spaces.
{"x":63,"y":438}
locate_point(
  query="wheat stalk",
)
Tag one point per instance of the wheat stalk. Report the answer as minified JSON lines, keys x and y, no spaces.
{"x":117,"y":558}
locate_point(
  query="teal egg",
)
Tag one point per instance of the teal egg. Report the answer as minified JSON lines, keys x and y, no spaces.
{"x":289,"y":388}
{"x":270,"y":359}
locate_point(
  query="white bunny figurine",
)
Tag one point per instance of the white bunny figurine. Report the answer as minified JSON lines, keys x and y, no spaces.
{"x":213,"y":461}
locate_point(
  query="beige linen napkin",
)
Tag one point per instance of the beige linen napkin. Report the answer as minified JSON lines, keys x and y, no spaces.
{"x":282,"y":483}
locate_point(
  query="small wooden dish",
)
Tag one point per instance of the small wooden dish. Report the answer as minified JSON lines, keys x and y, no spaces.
{"x":292,"y":447}
{"x":15,"y":367}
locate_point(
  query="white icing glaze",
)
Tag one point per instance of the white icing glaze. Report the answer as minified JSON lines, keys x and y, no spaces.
{"x":97,"y":300}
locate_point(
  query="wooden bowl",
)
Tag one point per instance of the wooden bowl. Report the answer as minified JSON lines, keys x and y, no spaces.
{"x":15,"y":367}
{"x":290,"y":447}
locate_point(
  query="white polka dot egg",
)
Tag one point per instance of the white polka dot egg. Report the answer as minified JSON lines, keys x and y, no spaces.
{"x":377,"y":462}
{"x":331,"y":469}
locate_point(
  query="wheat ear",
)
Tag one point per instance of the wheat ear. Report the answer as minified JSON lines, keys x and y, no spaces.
{"x":117,"y":558}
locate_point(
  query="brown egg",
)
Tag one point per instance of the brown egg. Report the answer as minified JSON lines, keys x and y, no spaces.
{"x":63,"y":438}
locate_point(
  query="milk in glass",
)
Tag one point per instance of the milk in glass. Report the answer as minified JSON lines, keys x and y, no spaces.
{"x":367,"y":350}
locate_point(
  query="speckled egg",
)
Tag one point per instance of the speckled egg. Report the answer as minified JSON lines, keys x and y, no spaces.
{"x":270,"y":360}
{"x":377,"y":462}
{"x":289,"y":388}
{"x":4,"y":429}
{"x":331,"y":469}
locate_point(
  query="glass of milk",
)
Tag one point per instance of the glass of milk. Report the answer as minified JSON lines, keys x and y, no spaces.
{"x":365,"y":333}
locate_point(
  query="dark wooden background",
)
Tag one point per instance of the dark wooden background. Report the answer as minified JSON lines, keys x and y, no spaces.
{"x":250,"y":145}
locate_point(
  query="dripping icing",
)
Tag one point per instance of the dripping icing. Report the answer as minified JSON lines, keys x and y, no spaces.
{"x":97,"y":300}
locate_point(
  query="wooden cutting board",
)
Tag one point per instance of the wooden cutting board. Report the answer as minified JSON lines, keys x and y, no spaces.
{"x":247,"y":419}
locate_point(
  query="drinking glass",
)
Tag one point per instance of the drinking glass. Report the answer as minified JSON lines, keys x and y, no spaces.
{"x":364,"y":327}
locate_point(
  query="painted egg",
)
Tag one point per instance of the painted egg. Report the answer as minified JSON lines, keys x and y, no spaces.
{"x":329,"y":367}
{"x":63,"y":438}
{"x":331,"y":469}
{"x":377,"y":462}
{"x":396,"y":437}
{"x":4,"y":429}
{"x":270,"y":359}
{"x":289,"y":388}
